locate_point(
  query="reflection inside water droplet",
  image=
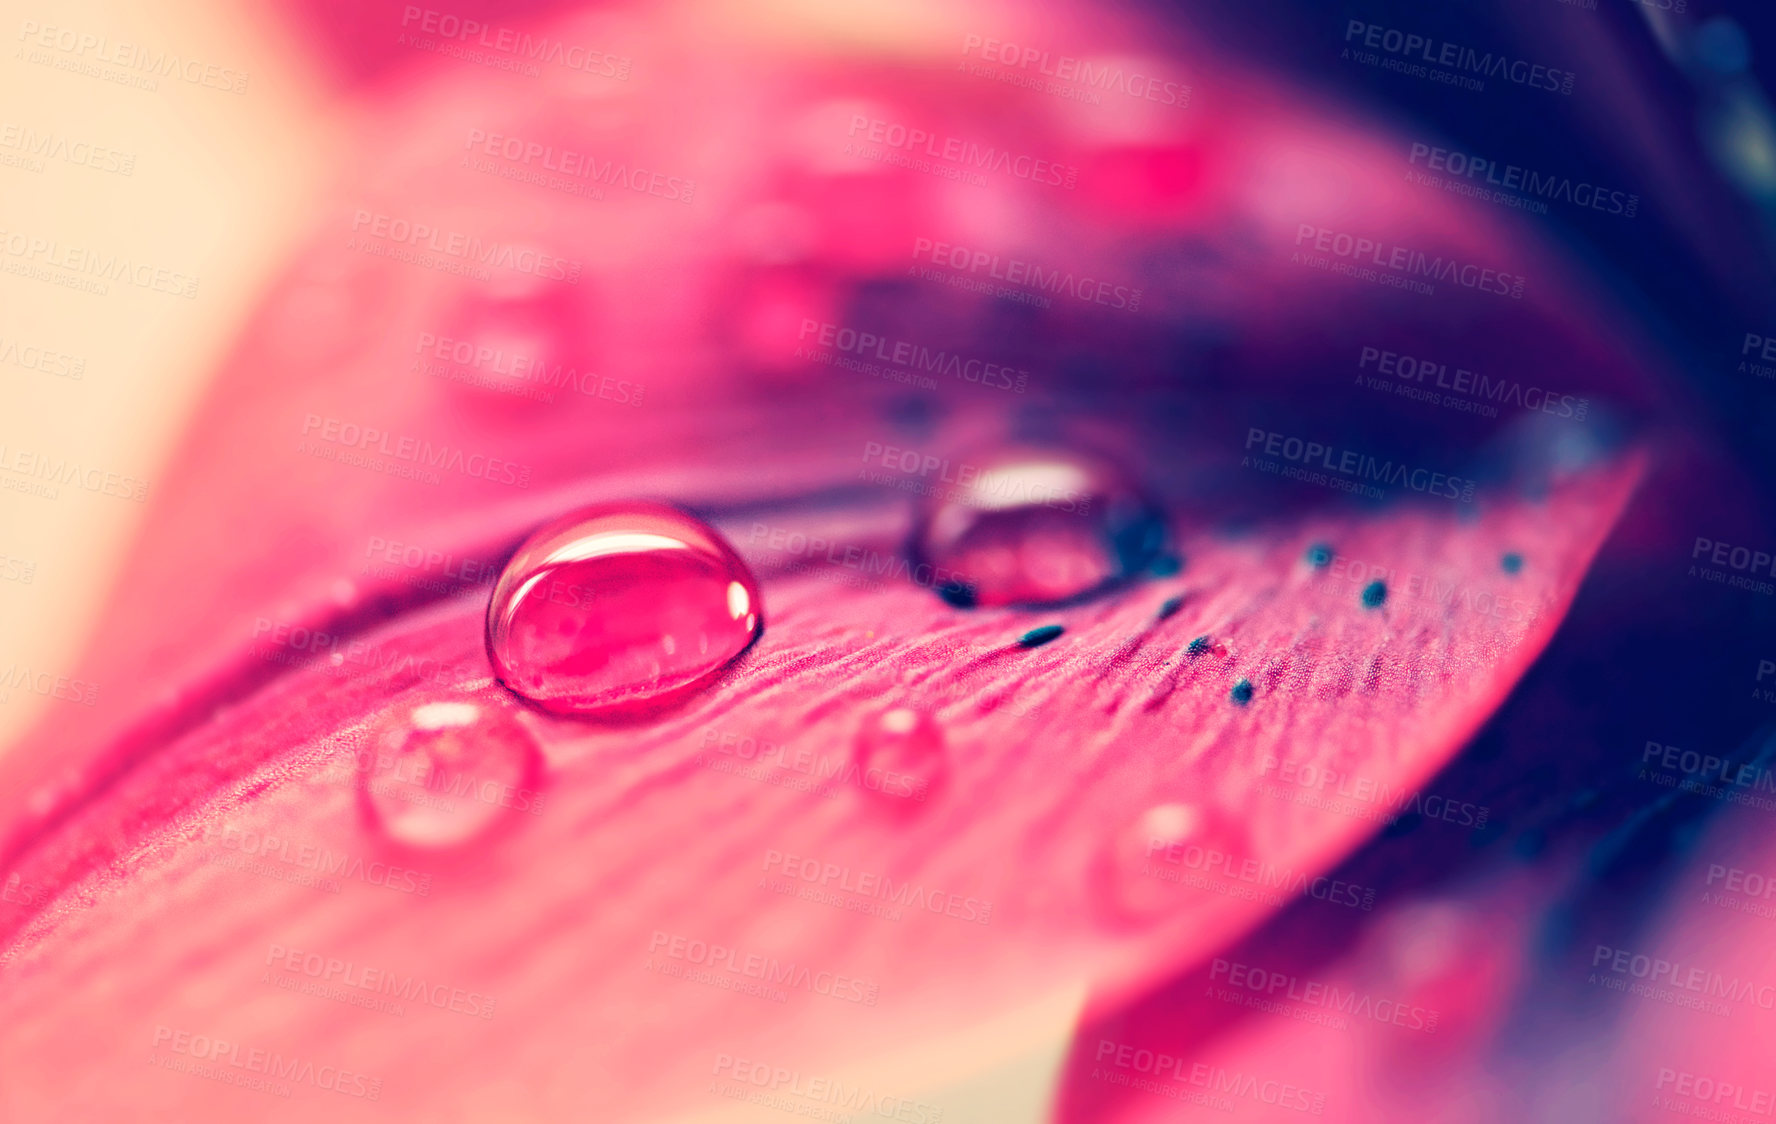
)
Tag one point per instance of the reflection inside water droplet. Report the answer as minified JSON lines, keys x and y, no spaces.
{"x":618,"y":609}
{"x":1035,"y":526}
{"x":900,"y":752}
{"x":440,"y":773}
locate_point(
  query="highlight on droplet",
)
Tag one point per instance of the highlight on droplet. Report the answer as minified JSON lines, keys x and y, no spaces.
{"x":1037,"y":526}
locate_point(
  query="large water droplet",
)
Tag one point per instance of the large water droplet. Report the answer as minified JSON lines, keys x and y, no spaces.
{"x":1034,"y":526}
{"x":900,"y":752}
{"x":1156,"y":858}
{"x":441,"y":772}
{"x":619,"y":609}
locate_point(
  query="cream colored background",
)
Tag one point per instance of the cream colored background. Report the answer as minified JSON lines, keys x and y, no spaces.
{"x":218,"y":179}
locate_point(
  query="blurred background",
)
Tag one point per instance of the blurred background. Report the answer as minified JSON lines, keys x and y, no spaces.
{"x":288,"y":119}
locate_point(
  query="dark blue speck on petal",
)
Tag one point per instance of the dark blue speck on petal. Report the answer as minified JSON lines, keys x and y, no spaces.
{"x":959,"y":594}
{"x":1512,"y":562}
{"x":1375,"y":593}
{"x":1242,"y":692}
{"x":1037,"y":637}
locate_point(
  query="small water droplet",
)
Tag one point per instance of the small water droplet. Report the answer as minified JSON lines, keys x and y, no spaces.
{"x":442,"y":772}
{"x":1242,"y":692}
{"x":1375,"y":593}
{"x":900,"y":753}
{"x":1037,"y":637}
{"x":516,"y":341}
{"x":1512,"y":562}
{"x":1036,"y":526}
{"x":619,"y":609}
{"x":1154,"y":857}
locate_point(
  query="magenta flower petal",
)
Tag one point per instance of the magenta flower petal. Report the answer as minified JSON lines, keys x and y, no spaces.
{"x":705,"y":829}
